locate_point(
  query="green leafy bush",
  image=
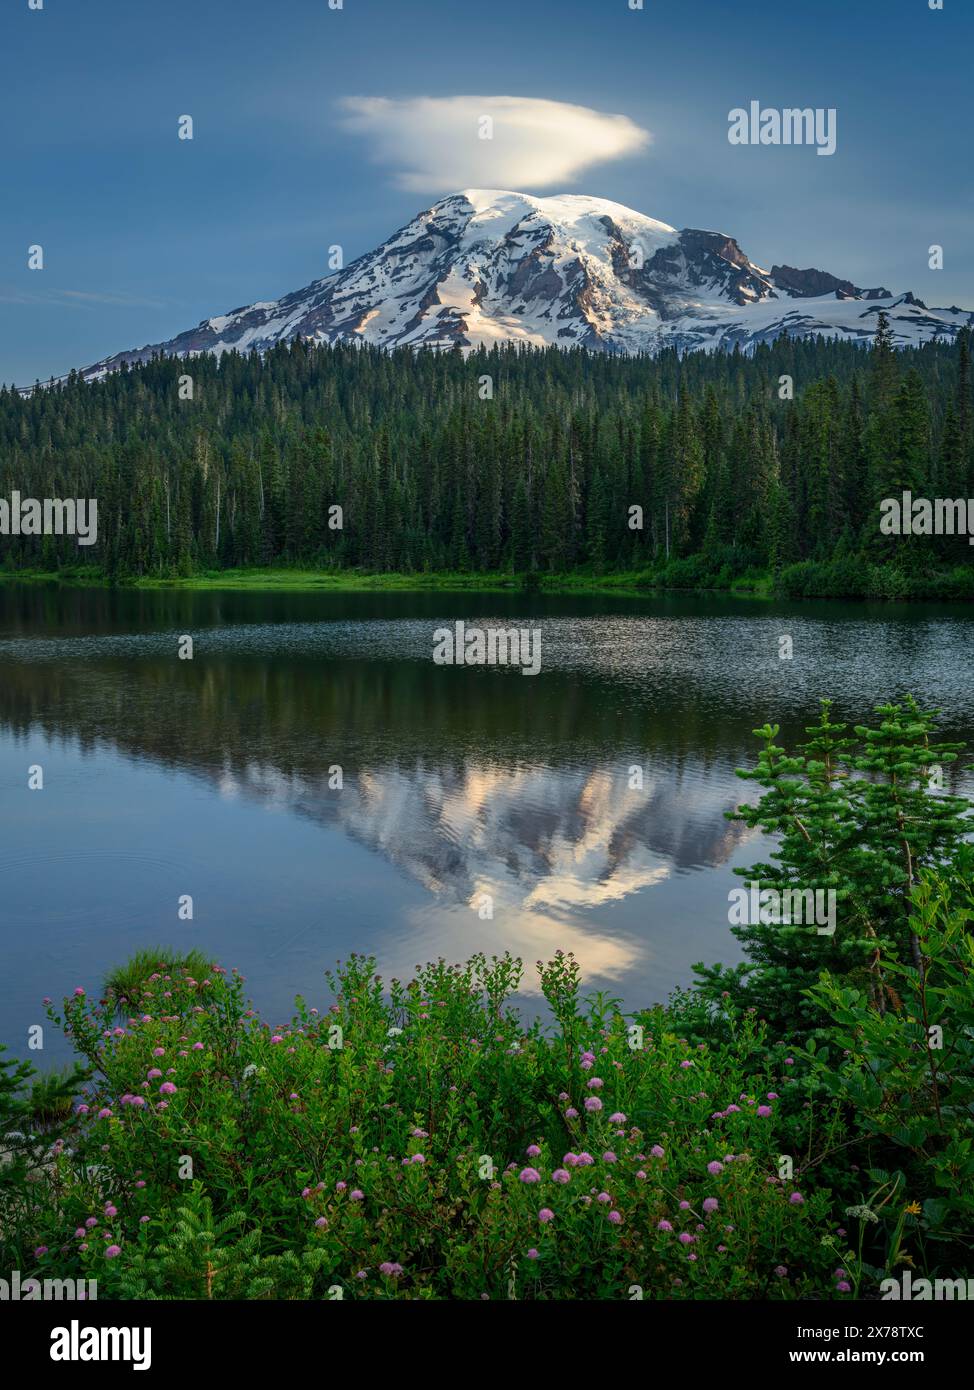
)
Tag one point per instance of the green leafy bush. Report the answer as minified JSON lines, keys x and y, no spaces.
{"x":422,"y":1143}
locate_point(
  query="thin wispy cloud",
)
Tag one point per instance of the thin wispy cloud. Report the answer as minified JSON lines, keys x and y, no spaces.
{"x":437,"y":144}
{"x":79,"y":299}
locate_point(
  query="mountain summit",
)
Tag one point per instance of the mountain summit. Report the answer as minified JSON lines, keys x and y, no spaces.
{"x":486,"y":266}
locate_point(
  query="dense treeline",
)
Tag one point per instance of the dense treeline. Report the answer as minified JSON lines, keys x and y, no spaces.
{"x":510,"y":459}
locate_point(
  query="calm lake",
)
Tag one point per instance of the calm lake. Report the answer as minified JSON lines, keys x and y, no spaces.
{"x":215,"y":777}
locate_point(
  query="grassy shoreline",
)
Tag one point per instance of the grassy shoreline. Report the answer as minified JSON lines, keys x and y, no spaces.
{"x":851,"y":579}
{"x":356,"y":581}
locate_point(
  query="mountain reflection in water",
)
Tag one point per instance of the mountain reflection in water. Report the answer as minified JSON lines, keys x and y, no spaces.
{"x":582,"y":809}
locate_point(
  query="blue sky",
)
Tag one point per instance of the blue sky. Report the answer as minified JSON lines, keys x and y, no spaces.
{"x":145,"y":234}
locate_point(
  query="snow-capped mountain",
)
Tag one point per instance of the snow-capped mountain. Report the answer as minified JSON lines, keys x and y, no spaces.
{"x":486,"y":266}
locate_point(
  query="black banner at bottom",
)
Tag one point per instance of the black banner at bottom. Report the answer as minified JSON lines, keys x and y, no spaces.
{"x":163,"y":1337}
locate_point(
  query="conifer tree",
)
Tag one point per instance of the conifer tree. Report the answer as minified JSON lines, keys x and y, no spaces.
{"x":865,"y":838}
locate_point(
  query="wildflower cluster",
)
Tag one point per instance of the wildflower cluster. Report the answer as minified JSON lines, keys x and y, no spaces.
{"x":418,"y":1141}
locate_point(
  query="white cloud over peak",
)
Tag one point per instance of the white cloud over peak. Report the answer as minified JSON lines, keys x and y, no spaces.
{"x":436,"y":144}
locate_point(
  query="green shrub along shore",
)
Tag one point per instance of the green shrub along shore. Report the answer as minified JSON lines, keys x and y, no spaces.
{"x":852,"y":577}
{"x":849,"y":576}
{"x":799,"y":1126}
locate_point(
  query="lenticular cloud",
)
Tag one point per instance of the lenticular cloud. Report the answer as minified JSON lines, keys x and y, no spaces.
{"x":438,"y":144}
